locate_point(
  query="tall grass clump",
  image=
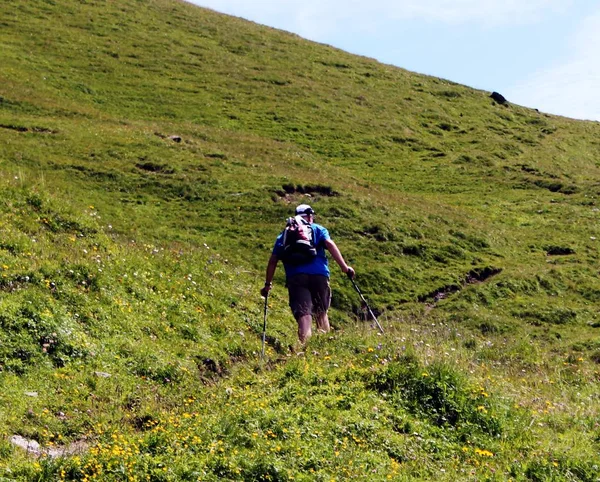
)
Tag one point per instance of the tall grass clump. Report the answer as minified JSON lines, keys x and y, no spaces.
{"x":439,"y":393}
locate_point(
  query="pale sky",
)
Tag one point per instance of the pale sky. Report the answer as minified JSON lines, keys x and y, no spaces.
{"x":542,"y":54}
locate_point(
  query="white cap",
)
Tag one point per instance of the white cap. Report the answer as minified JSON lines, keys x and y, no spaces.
{"x":304,"y":209}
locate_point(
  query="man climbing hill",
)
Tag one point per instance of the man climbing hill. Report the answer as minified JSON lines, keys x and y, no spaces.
{"x":301,"y":247}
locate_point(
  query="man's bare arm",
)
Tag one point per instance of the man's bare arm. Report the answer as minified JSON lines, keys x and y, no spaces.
{"x":339,"y":259}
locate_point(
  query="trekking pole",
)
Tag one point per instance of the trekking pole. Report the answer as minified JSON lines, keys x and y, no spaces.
{"x":366,"y":304}
{"x":264,"y":333}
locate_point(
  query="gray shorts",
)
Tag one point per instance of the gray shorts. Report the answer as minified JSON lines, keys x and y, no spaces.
{"x":309,"y":294}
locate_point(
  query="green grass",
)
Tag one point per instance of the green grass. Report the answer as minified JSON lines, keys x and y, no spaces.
{"x":130,"y":263}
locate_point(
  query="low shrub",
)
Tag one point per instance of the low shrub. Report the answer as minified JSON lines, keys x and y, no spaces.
{"x":439,"y":393}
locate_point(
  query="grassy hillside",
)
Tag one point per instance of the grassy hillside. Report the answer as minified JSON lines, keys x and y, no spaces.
{"x":149,"y":154}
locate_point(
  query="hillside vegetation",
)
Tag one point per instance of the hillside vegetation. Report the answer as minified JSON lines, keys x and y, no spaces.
{"x":150,"y":152}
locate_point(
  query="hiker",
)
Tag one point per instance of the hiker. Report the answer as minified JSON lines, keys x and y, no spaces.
{"x":301,"y":247}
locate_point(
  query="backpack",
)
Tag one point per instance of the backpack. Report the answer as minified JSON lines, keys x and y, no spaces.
{"x":298,"y":242}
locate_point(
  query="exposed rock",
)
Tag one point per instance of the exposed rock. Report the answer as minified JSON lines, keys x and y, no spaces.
{"x":34,"y":448}
{"x":499,"y":98}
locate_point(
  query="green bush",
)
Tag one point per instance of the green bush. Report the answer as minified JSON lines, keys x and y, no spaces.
{"x":439,"y":393}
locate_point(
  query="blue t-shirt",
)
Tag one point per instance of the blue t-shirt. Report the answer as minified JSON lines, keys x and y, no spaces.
{"x":318,"y":265}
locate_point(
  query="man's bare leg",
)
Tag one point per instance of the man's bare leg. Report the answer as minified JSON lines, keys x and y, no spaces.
{"x":304,"y":328}
{"x":323,"y":322}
